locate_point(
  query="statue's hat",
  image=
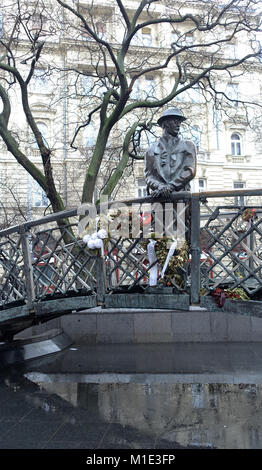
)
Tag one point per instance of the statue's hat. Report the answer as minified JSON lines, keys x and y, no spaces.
{"x":171,"y":112}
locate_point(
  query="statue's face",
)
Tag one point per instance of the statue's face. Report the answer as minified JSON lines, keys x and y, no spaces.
{"x":171,"y":125}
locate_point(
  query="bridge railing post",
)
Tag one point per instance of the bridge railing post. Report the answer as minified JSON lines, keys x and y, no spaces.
{"x":100,"y":280}
{"x":28,"y":268}
{"x":195,"y":250}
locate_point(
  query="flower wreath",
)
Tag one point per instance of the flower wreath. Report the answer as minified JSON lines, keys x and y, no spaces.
{"x":176,"y":261}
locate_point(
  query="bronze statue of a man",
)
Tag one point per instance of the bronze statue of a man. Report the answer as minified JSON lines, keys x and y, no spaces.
{"x":171,"y":161}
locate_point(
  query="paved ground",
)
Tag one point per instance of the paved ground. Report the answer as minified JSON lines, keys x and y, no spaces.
{"x":32,"y":417}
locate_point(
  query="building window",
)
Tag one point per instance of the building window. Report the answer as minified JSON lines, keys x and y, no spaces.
{"x":40,"y":81}
{"x":150,"y":138}
{"x":196,"y":136}
{"x":1,"y":26}
{"x":44,"y":131}
{"x":1,"y":188}
{"x":38,"y":22}
{"x":40,"y":198}
{"x":202,"y":184}
{"x":85,"y":36}
{"x":147,"y":138}
{"x":141,"y":187}
{"x":192,"y":95}
{"x":257,"y":48}
{"x":101,"y":29}
{"x":146,"y":35}
{"x":239,"y":200}
{"x":231,"y":51}
{"x":189,"y":40}
{"x":175,"y":36}
{"x":181,"y":97}
{"x":103,"y":86}
{"x":235,"y":144}
{"x":233,"y":93}
{"x":89,"y":135}
{"x":149,"y":87}
{"x":143,"y":38}
{"x":135,"y":93}
{"x":87,"y":84}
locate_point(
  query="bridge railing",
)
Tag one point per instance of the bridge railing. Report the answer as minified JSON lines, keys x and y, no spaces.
{"x":44,"y":261}
{"x":231,"y":243}
{"x":46,"y":258}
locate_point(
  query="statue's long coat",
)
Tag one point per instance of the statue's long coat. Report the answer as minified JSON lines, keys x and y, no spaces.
{"x":170,"y":161}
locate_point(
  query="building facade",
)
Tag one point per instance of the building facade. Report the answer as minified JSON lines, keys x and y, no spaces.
{"x":225,"y":130}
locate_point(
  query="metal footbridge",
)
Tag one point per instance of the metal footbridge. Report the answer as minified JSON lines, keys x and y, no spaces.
{"x":46,"y":269}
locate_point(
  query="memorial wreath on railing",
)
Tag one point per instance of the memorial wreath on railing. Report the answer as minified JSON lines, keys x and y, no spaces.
{"x":171,"y":253}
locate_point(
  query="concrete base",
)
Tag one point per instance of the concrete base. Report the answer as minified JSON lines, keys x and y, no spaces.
{"x":32,"y":347}
{"x":155,"y":363}
{"x":104,"y":326}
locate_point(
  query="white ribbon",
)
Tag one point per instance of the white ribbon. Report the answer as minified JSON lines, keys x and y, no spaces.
{"x":96,"y":240}
{"x":151,"y":253}
{"x":170,"y":253}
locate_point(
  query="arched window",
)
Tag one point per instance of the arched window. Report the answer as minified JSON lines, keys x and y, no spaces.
{"x":235,"y":144}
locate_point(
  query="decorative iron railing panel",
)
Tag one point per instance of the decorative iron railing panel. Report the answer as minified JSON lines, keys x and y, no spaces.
{"x":13,"y":288}
{"x":128,"y":268}
{"x":45,"y":262}
{"x":127,"y":262}
{"x":61,"y":263}
{"x":231,"y":242}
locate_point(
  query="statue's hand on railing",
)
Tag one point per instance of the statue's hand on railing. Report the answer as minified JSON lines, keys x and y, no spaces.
{"x":165,"y":191}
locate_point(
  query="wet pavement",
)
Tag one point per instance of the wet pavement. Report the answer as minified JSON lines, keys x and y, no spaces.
{"x":151,"y":396}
